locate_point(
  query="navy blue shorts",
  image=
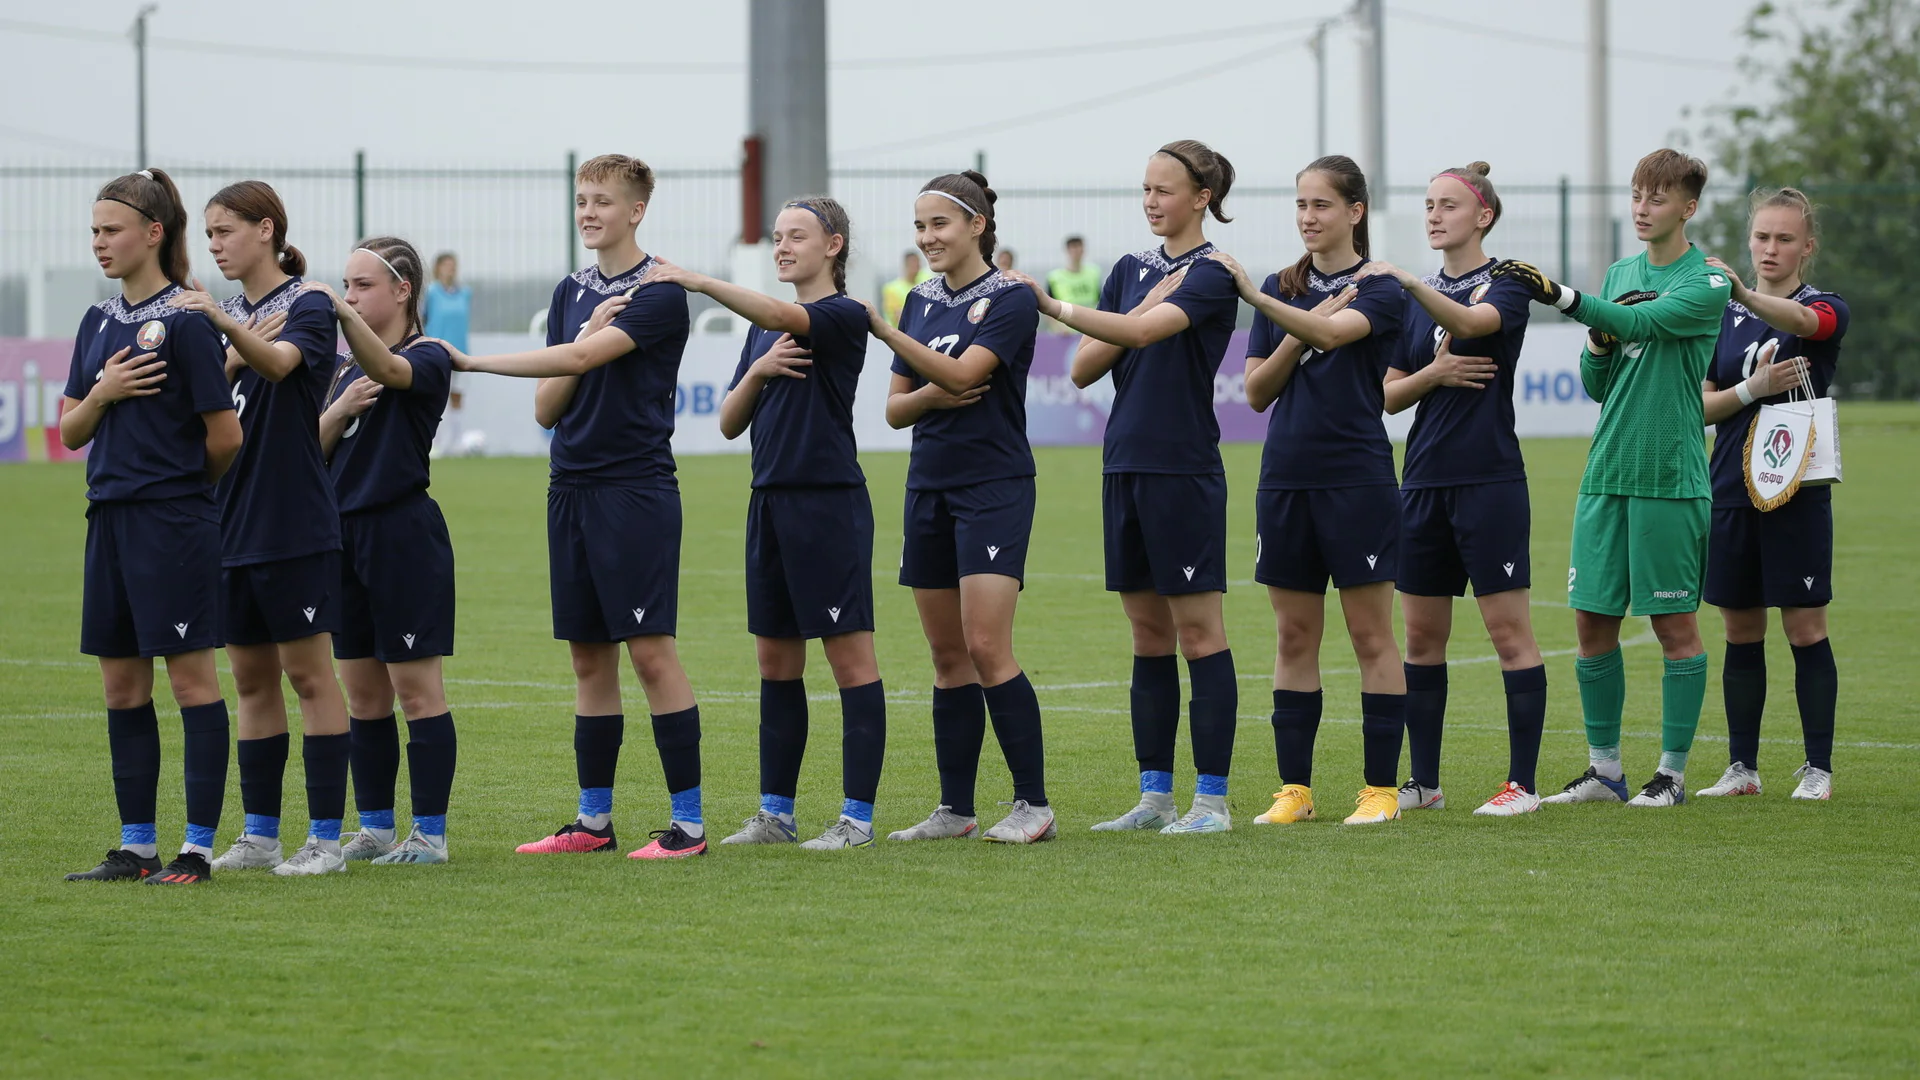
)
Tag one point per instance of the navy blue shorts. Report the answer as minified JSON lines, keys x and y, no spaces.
{"x":1782,"y":558}
{"x":809,"y":562}
{"x":1472,"y":532}
{"x":1165,"y":532}
{"x":285,"y":600}
{"x":613,"y":561}
{"x":977,"y":529}
{"x":152,"y":581}
{"x":396,"y":584}
{"x":1305,"y":537}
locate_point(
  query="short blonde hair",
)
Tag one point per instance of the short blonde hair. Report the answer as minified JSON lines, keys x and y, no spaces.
{"x":630,"y":172}
{"x":1671,"y":170}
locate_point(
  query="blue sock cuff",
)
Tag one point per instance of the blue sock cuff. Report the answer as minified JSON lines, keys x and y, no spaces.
{"x":262,"y":825}
{"x":324,"y":829}
{"x":686,"y":805}
{"x":1154,"y":781}
{"x":200,"y":835}
{"x":139,"y":834}
{"x":858,"y":811}
{"x":1208,"y":784}
{"x":376,"y":819}
{"x":596,"y":800}
{"x":777,"y":804}
{"x":431,"y":824}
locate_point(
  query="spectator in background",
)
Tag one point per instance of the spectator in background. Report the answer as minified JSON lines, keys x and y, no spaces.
{"x":449,"y":311}
{"x":893,"y":295}
{"x":1004,"y":259}
{"x":1075,"y":283}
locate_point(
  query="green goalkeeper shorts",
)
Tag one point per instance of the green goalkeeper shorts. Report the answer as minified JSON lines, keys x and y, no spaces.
{"x":1649,"y":555}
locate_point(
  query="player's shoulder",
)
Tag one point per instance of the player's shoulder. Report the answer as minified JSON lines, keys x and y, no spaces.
{"x":426,"y":350}
{"x":1373,"y":284}
{"x":1812,"y":297}
{"x":308,"y":303}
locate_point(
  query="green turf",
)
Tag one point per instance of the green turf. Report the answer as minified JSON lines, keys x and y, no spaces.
{"x":1747,"y":937}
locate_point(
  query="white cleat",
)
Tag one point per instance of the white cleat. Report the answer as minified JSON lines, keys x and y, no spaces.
{"x":942,"y":824}
{"x":251,"y":853}
{"x":1027,"y":824}
{"x":1814,"y":783}
{"x":1590,"y":787}
{"x":841,"y":835}
{"x":314,"y":858}
{"x":764,"y":827}
{"x":1155,"y":811}
{"x":415,"y":850}
{"x":363,"y":846}
{"x":1512,"y":801}
{"x":1415,"y":797}
{"x":1737,"y":780}
{"x":1665,"y":789}
{"x":1207,"y":815}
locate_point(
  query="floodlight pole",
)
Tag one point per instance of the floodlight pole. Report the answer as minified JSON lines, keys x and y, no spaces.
{"x":139,"y":34}
{"x":1371,"y":17}
{"x":787,"y":98}
{"x":1600,"y":224}
{"x":1317,"y":44}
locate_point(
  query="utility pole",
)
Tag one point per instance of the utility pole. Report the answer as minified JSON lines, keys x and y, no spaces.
{"x":1371,"y":17}
{"x":1600,"y":221}
{"x":139,"y":34}
{"x":787,"y":97}
{"x":1317,"y":44}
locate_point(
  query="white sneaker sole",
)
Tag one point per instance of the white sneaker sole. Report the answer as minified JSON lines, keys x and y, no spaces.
{"x":1017,"y":837}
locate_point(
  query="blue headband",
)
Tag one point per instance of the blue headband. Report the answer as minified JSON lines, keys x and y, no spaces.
{"x":811,"y":209}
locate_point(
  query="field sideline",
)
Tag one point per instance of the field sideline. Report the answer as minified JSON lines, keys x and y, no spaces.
{"x":1737,"y":937}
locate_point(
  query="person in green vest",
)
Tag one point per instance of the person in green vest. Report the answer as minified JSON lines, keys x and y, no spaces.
{"x":893,"y":295}
{"x":1075,"y":283}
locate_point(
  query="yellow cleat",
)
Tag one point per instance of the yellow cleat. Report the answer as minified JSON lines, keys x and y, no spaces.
{"x":1292,"y":803}
{"x":1374,"y":805}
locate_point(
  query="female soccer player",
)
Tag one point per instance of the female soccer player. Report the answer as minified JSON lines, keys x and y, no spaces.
{"x":613,"y":506}
{"x":449,"y":307}
{"x":280,"y":530}
{"x":1327,"y":506}
{"x":1463,"y":494}
{"x":396,"y":579}
{"x":961,"y":354}
{"x":809,"y":521}
{"x":147,"y":389}
{"x":1161,"y":329}
{"x":1771,"y":336}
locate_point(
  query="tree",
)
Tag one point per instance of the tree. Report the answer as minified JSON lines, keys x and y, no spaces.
{"x":1841,"y":121}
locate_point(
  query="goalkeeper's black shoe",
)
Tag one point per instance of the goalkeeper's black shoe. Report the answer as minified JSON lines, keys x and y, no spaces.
{"x":119,"y":865}
{"x":187,"y":868}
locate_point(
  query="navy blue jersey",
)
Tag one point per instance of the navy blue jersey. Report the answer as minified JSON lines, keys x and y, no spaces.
{"x":152,"y":447}
{"x":1742,"y":335}
{"x":619,"y":425}
{"x":1162,"y":418}
{"x":802,"y":429}
{"x":381,"y":457}
{"x":1325,"y":429}
{"x":972,"y":445}
{"x":277,"y":500}
{"x":1461,"y":435}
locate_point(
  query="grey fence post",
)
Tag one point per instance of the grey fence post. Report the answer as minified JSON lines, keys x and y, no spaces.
{"x":1566,"y":230}
{"x":359,"y":194}
{"x":573,"y":254}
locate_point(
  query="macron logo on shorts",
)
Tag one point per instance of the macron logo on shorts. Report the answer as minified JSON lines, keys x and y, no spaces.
{"x":1508,"y":567}
{"x":1372,"y":560}
{"x":181,"y":628}
{"x":834,"y":613}
{"x":1188,"y":570}
{"x":1807,"y":580}
{"x":308,"y":612}
{"x":408,"y":638}
{"x":991,"y":552}
{"x":639,"y":614}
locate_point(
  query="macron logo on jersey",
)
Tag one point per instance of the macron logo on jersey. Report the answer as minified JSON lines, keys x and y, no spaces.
{"x":1143,"y":274}
{"x":1738,"y":319}
{"x":576,"y":299}
{"x":924,"y":308}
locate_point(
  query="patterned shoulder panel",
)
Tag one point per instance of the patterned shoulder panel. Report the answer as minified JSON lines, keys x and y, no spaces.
{"x":590,"y":277}
{"x":281,"y":300}
{"x":1441,"y":284}
{"x":1318,"y":282}
{"x":935,"y":289}
{"x":1152,"y":259}
{"x":116,"y":308}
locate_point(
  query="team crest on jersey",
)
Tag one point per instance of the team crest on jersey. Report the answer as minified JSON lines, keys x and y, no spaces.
{"x":979,"y":310}
{"x":151,"y":334}
{"x":1479,"y":291}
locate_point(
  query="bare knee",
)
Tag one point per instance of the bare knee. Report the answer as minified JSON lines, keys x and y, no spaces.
{"x":1373,"y":645}
{"x":1744,"y":626}
{"x":852,"y":660}
{"x":655,"y":660}
{"x":1679,"y":635}
{"x":1426,"y":644}
{"x":593,"y":664}
{"x":124,"y":687}
{"x":193,"y":684}
{"x":255,"y":673}
{"x":1804,"y":626}
{"x":780,"y":659}
{"x":1512,"y":641}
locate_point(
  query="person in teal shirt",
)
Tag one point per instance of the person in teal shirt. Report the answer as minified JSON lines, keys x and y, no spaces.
{"x":449,"y":311}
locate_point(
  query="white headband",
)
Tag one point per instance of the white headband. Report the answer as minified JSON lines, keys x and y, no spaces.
{"x":146,"y":174}
{"x":952,"y":199}
{"x":383,"y":262}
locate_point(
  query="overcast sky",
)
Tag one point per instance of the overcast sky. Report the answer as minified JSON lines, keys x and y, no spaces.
{"x":667,"y":82}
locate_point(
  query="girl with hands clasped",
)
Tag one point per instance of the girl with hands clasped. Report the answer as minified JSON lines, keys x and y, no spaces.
{"x":396,"y":573}
{"x":809,"y":520}
{"x":1465,"y":513}
{"x":1161,"y":330}
{"x":961,"y":354}
{"x":145,"y":389}
{"x":1327,"y":507}
{"x":1773,"y":336}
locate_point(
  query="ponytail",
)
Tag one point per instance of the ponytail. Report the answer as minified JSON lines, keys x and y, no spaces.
{"x":400,"y":258}
{"x":1210,"y":171}
{"x":1474,"y":175}
{"x":1351,"y":185}
{"x":970,"y":190}
{"x":153,"y":194}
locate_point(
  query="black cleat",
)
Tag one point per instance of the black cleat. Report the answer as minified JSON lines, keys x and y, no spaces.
{"x":187,"y":868}
{"x":119,"y":865}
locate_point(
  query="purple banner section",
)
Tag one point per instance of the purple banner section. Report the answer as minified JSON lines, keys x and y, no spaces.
{"x":33,"y":375}
{"x":1061,"y":414}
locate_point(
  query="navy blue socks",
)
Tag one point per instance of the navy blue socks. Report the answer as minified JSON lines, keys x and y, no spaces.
{"x":1016,"y":723}
{"x":959,"y":729}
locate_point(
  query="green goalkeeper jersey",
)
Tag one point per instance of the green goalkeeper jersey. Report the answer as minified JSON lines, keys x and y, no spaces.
{"x":1651,"y":439}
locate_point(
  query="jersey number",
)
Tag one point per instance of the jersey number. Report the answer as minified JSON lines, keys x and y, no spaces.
{"x":239,"y":404}
{"x":944,"y":345}
{"x":353,"y":425}
{"x":1751,"y":359}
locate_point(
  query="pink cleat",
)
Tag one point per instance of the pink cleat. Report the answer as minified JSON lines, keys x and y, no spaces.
{"x":572,"y":838}
{"x":671,"y":843}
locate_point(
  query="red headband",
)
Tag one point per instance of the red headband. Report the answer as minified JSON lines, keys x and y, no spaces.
{"x":1481,"y":199}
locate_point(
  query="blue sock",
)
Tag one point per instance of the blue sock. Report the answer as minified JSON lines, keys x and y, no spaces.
{"x":778,"y":805}
{"x":139,"y":834}
{"x":1208,"y":784}
{"x":262,"y":825}
{"x":431,"y":824}
{"x":596,"y":802}
{"x":200,"y":836}
{"x":1156,"y":782}
{"x":686,"y":805}
{"x":377,"y":819}
{"x":324,"y":829}
{"x":861,"y":812}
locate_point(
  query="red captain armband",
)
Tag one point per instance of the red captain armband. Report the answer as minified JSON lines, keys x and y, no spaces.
{"x":1829,"y":320}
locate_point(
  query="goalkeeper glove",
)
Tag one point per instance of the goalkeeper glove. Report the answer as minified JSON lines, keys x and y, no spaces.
{"x":1540,"y":286}
{"x":1604,"y":342}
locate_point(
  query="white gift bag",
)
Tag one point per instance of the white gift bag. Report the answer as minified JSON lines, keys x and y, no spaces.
{"x":1823,"y":458}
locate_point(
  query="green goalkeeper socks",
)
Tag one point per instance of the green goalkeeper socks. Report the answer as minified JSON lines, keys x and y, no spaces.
{"x":1603,"y":696}
{"x":1682,"y":689}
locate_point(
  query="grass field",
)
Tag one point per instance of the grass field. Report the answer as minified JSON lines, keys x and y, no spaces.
{"x":1756,"y":937}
